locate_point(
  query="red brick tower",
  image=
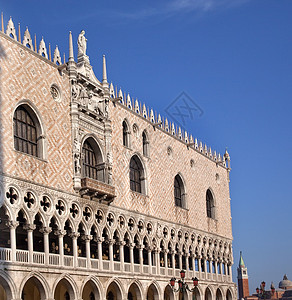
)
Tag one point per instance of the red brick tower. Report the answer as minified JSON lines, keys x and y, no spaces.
{"x":242,"y":277}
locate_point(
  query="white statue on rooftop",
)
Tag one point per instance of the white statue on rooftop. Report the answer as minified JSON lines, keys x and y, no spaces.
{"x":82,"y":41}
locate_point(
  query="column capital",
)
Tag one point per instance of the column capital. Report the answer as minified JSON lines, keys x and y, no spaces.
{"x":99,"y":240}
{"x":45,"y":230}
{"x":110,"y":241}
{"x":87,"y":237}
{"x":74,"y":235}
{"x":60,"y":232}
{"x":29,"y":227}
{"x":121,"y":243}
{"x":12,"y":224}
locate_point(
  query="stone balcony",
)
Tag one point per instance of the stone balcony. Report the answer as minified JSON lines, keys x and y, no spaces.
{"x":97,"y":189}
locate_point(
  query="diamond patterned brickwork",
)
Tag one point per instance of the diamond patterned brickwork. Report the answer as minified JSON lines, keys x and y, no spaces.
{"x":161,"y":169}
{"x":26,"y":76}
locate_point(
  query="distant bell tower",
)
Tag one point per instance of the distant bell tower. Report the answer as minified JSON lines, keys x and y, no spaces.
{"x":242,"y":277}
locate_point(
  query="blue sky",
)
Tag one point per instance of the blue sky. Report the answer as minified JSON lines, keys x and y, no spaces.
{"x":234,"y":59}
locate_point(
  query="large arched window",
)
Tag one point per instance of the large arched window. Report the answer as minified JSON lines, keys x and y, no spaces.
{"x":210,"y":205}
{"x":179,"y":192}
{"x":137,"y":176}
{"x":126,"y":134}
{"x":27,"y":131}
{"x":93,"y":166}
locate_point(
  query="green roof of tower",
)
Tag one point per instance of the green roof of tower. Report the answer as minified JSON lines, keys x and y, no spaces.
{"x":241,"y":262}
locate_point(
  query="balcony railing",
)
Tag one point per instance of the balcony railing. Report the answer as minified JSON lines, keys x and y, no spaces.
{"x":98,"y":189}
{"x":54,"y":260}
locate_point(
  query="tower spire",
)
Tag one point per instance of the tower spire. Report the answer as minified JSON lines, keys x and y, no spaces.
{"x":241,"y":262}
{"x":242,"y":277}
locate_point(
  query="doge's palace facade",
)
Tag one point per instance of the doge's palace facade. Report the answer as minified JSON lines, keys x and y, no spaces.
{"x":101,"y":198}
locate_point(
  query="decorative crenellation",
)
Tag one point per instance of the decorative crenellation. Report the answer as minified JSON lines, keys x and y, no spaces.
{"x":170,"y":127}
{"x":28,"y":42}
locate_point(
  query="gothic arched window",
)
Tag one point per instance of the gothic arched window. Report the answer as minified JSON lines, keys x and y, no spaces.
{"x":145,"y":144}
{"x":25,"y":132}
{"x":179,"y":193}
{"x":210,"y":205}
{"x":137,"y":177}
{"x":89,"y":162}
{"x":93,"y":166}
{"x":126,"y":134}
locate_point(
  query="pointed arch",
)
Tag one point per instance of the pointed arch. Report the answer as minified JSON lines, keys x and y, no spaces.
{"x":10,"y":290}
{"x":91,"y":289}
{"x":126,"y":133}
{"x":168,"y":293}
{"x":138,"y":178}
{"x":35,"y":284}
{"x":210,"y":204}
{"x":179,"y":191}
{"x":65,"y":284}
{"x":229,"y":294}
{"x":219,"y":294}
{"x":145,"y":143}
{"x":208,"y":293}
{"x":114,"y":289}
{"x":93,"y":164}
{"x":4,"y":229}
{"x":135,"y":290}
{"x":53,"y":238}
{"x":153,"y":291}
{"x":29,"y":130}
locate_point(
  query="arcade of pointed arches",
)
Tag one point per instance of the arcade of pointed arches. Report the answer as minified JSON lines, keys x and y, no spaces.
{"x":35,"y":287}
{"x":42,"y":229}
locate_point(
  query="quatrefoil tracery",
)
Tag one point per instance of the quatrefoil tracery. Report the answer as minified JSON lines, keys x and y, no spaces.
{"x":45,"y":203}
{"x":29,"y":199}
{"x":60,"y":207}
{"x":12,"y":195}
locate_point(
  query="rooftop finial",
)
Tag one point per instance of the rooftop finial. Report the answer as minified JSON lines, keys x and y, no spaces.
{"x":71,"y":52}
{"x":104,"y":75}
{"x":19,"y":35}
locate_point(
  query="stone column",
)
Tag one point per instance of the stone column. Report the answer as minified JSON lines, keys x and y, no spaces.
{"x":99,"y":250}
{"x":141,"y":257}
{"x":173,"y":262}
{"x":12,"y":226}
{"x":157,"y":260}
{"x":74,"y":236}
{"x":131,"y":246}
{"x":111,"y":253}
{"x":230,"y":273}
{"x":30,"y":228}
{"x":165,"y":261}
{"x":149,"y":260}
{"x":199,"y":267}
{"x":60,"y":233}
{"x":205,"y":265}
{"x":179,"y":260}
{"x":87,"y":238}
{"x":46,"y":231}
{"x":122,"y":256}
{"x":187,"y":264}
